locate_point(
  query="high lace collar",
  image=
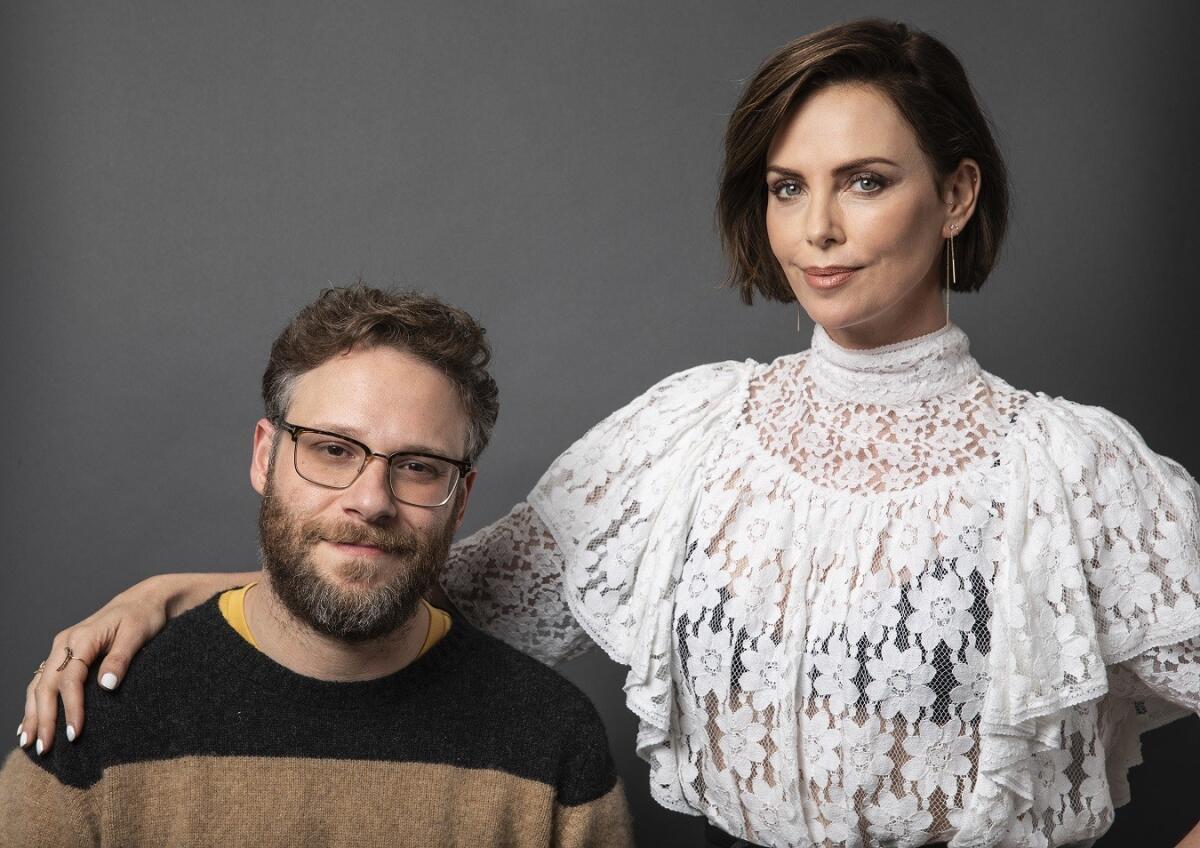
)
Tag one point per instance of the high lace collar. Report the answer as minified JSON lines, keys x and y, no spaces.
{"x":906,"y":372}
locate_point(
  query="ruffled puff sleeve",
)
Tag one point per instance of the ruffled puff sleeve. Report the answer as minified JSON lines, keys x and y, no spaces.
{"x":1099,"y":598}
{"x":506,"y":579}
{"x":565,"y":568}
{"x":619,"y":503}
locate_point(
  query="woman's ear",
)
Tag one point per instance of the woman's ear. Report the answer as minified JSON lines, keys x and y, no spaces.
{"x":960,"y":191}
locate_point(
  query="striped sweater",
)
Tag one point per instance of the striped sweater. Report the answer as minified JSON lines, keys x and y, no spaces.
{"x":209,"y":742}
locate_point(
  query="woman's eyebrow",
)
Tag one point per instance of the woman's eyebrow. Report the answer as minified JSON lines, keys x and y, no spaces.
{"x":841,"y":169}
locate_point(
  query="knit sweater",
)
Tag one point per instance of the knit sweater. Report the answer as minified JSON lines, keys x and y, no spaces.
{"x":209,"y":742}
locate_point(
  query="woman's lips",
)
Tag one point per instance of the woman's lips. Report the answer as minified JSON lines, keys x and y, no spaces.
{"x":829,"y":277}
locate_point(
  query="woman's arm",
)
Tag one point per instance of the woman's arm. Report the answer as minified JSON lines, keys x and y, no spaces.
{"x":115,"y":632}
{"x":1172,"y":672}
{"x":507,"y":580}
{"x":1192,"y":840}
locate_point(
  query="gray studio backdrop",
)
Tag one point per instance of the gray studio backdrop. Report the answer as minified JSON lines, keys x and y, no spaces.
{"x":176,"y":179}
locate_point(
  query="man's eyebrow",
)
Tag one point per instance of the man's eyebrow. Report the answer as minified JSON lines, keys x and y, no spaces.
{"x":355,"y":433}
{"x":426,"y":449}
{"x":340,"y":429}
{"x":841,"y":169}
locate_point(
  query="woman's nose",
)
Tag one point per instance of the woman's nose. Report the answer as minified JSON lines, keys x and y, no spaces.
{"x":822,"y":222}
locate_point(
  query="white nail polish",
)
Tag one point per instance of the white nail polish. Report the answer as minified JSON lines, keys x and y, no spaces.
{"x":39,"y":747}
{"x":24,"y":739}
{"x":109,"y":681}
{"x":20,"y":728}
{"x":70,"y":733}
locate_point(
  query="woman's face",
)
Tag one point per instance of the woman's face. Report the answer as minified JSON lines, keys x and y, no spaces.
{"x":856,"y":217}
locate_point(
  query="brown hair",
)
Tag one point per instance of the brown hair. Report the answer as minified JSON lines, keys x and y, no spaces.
{"x":442,"y":335}
{"x":929,"y":87}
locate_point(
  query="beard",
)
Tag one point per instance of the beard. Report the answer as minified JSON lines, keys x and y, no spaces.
{"x":350,"y":614}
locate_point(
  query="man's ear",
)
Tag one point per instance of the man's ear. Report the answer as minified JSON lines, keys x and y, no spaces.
{"x":260,"y":456}
{"x":460,"y":506}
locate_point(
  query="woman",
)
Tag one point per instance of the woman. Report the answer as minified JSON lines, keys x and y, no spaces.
{"x":868,"y":593}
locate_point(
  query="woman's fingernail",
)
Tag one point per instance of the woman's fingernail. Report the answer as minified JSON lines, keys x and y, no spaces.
{"x":70,"y":733}
{"x":20,"y":728}
{"x":109,"y":681}
{"x":24,"y":740}
{"x":39,"y":747}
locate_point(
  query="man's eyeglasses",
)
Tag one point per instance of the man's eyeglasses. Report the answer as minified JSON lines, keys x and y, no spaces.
{"x":336,"y":461}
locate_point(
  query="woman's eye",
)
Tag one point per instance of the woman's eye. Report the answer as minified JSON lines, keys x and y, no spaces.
{"x":785,"y":189}
{"x":867,"y":183}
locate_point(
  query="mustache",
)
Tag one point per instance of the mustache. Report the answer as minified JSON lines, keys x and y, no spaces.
{"x":394,"y":542}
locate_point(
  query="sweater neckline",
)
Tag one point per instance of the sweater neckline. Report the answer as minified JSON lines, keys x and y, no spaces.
{"x":244,"y":660}
{"x":914,"y":370}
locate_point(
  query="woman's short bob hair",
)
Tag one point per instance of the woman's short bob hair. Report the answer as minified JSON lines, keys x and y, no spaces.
{"x":929,"y":87}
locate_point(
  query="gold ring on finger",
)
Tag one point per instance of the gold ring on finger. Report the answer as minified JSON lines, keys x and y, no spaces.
{"x":66,"y":660}
{"x":41,"y":667}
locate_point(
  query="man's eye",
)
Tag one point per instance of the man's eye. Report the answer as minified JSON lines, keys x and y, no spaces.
{"x":415,"y":469}
{"x":334,"y":450}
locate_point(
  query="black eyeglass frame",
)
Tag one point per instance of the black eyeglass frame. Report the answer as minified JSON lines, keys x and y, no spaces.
{"x":294,"y":430}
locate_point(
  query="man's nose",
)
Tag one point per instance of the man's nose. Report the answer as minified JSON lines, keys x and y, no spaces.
{"x":370,"y":496}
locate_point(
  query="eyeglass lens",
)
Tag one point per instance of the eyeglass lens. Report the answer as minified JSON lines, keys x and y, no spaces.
{"x":418,"y":480}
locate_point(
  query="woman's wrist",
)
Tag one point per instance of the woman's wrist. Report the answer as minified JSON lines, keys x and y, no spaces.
{"x":177,"y":593}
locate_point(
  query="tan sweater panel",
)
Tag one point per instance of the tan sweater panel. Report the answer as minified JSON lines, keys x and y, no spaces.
{"x":285,"y":802}
{"x":603,"y":823}
{"x":35,"y":809}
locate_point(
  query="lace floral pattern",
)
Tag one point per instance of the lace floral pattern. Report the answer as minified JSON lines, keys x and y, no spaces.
{"x":865,"y":598}
{"x":507,"y":580}
{"x":891,"y":430}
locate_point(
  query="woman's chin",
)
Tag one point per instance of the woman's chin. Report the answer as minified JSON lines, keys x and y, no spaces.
{"x":852,"y":323}
{"x":835,"y":314}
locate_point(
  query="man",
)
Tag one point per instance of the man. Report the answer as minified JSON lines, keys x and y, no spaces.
{"x":328,"y":703}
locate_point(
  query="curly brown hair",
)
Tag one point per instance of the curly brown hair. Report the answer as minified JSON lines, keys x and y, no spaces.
{"x":444,"y":336}
{"x":928,"y":85}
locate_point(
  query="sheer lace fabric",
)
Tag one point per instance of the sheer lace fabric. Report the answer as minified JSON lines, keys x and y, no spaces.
{"x":865,"y":598}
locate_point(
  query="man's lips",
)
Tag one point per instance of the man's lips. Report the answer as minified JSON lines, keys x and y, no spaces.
{"x":353,"y":540}
{"x":357,"y":548}
{"x":828,"y":276}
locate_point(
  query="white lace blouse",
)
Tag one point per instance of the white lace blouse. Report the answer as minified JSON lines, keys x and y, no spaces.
{"x":865,"y":597}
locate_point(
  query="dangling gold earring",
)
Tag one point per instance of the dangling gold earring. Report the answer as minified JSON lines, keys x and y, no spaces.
{"x":797,"y":316}
{"x":951,"y":269}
